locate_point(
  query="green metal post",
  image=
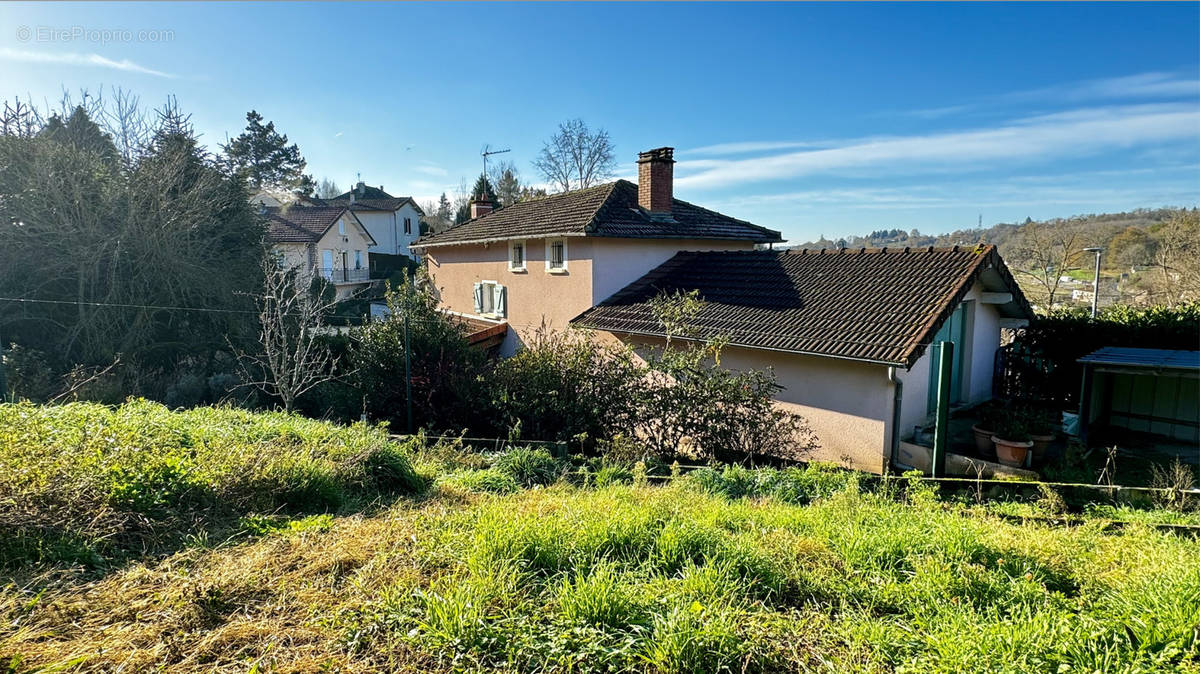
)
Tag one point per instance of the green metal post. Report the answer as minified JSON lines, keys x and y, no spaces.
{"x":941,"y":428}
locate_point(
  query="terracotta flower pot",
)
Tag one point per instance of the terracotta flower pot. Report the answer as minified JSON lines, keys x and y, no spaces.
{"x":1040,"y":444}
{"x":983,"y":442}
{"x":1011,"y":453}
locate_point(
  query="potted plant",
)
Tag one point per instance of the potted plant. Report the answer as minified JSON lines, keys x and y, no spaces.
{"x":1012,"y":440}
{"x":984,"y":429}
{"x":1041,"y":433}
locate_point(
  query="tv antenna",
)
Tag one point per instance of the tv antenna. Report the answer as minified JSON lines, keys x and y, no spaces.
{"x":487,"y":152}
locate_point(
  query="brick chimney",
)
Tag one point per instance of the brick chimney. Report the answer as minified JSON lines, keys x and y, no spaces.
{"x":656,"y":175}
{"x":480,"y":205}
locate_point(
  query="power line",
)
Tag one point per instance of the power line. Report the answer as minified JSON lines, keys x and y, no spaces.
{"x":29,"y":300}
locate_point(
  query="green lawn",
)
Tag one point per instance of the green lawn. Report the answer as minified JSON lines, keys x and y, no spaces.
{"x":525,"y":564}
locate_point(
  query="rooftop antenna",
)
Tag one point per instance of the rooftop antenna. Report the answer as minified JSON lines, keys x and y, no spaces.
{"x":487,"y":152}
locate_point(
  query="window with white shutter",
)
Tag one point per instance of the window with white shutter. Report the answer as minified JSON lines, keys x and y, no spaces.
{"x":491,"y":299}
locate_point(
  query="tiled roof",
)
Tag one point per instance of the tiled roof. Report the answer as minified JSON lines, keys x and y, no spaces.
{"x":365,"y":192}
{"x":609,"y":210}
{"x":300,"y":224}
{"x":389,"y":204}
{"x":877,"y":305}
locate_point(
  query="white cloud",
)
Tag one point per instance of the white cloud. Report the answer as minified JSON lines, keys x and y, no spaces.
{"x":76,"y":59}
{"x":338,"y":134}
{"x":1071,"y":134}
{"x":430,"y":170}
{"x":1142,"y":85}
{"x":746,"y":147}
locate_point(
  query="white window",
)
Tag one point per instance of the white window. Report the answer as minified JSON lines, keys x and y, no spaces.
{"x":327,"y":263}
{"x":491,"y":299}
{"x":358,"y":259}
{"x":341,"y":226}
{"x":556,"y":256}
{"x":408,"y":225}
{"x":516,"y":256}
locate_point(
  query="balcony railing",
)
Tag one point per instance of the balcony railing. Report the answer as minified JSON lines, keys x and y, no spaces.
{"x":345,"y":275}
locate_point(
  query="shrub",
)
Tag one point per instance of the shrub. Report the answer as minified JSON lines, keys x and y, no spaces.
{"x":566,"y":384}
{"x":447,"y":391}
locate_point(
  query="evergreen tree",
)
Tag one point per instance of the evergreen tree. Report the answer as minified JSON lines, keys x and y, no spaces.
{"x":262,"y":157}
{"x":482,"y":188}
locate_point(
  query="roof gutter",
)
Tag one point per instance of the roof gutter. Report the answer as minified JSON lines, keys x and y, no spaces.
{"x":496,"y":239}
{"x":751,"y":346}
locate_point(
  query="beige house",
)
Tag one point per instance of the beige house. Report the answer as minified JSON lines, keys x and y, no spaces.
{"x":325,"y":241}
{"x":393,"y":222}
{"x":543,"y":262}
{"x":847,"y":332}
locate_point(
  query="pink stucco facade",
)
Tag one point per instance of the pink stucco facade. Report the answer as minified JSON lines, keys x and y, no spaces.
{"x":596,"y":267}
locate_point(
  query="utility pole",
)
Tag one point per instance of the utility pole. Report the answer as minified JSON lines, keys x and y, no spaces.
{"x":1095,"y":278}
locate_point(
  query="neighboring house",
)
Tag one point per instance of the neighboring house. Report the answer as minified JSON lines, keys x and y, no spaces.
{"x":326,"y":241}
{"x":543,"y":262}
{"x":847,"y":332}
{"x":394,"y":222}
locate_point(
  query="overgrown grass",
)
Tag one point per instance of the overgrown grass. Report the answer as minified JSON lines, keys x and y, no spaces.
{"x":82,"y":482}
{"x":729,"y":570}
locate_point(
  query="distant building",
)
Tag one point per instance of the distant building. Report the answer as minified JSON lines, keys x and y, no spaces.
{"x":325,"y":241}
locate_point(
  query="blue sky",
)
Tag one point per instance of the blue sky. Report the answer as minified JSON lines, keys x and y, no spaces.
{"x":814,"y":119}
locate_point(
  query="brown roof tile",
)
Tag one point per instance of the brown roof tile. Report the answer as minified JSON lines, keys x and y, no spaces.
{"x":877,"y":305}
{"x":300,"y":224}
{"x":609,"y":210}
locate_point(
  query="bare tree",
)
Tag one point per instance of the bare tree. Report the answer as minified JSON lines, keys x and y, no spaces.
{"x":291,"y":358}
{"x":576,"y":157}
{"x":1043,"y":252}
{"x":1178,"y":256}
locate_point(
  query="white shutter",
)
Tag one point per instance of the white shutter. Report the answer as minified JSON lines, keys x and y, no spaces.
{"x":479,"y":298}
{"x":500,"y":300}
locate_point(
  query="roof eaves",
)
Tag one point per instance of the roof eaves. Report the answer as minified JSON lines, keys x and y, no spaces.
{"x":494,"y":239}
{"x":641,"y":333}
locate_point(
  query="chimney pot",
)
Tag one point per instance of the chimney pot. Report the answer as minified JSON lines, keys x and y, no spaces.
{"x":656,"y":177}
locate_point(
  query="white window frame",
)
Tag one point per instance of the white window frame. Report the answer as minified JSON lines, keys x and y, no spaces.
{"x":358,"y":259}
{"x":408,"y":225}
{"x":342,"y":226}
{"x":563,"y":268}
{"x":524,"y":255}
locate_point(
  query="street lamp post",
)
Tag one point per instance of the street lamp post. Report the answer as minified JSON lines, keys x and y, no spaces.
{"x":1096,"y":278}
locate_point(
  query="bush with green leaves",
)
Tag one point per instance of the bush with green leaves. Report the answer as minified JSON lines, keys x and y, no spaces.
{"x":447,"y":389}
{"x":565,"y":384}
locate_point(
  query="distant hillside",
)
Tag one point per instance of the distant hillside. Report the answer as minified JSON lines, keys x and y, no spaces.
{"x":1099,"y":229}
{"x":1151,"y":256}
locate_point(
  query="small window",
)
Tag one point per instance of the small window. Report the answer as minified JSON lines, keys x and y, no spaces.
{"x":491,"y":299}
{"x":358,"y":259}
{"x":408,"y":225}
{"x":341,"y":226}
{"x":556,"y":255}
{"x":516,"y":256}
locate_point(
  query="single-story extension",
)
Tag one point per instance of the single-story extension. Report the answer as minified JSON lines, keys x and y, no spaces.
{"x":847,"y":332}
